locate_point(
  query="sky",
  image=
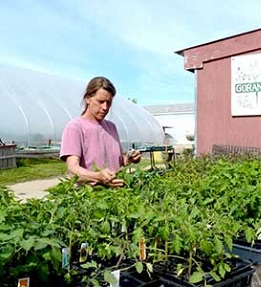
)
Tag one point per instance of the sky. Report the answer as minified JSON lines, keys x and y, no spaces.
{"x":131,"y":42}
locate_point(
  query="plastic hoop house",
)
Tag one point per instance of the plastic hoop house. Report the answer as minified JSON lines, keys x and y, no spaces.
{"x":36,"y":106}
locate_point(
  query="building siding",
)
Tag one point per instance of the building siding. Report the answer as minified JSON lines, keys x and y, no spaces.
{"x":178,"y":120}
{"x":212,"y":64}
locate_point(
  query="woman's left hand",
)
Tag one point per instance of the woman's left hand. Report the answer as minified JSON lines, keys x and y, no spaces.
{"x":133,"y":156}
{"x":136,"y":156}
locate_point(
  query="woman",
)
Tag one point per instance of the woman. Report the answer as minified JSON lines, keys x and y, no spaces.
{"x":90,"y":144}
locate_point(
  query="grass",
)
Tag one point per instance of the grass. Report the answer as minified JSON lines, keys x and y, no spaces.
{"x":32,"y":169}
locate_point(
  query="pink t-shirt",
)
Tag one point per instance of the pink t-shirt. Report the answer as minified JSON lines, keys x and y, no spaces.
{"x":96,"y":144}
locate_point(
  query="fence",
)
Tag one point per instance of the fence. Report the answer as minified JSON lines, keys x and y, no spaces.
{"x":235,"y":150}
{"x":7,"y":156}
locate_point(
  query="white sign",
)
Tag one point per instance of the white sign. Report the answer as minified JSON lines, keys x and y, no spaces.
{"x":246,"y":85}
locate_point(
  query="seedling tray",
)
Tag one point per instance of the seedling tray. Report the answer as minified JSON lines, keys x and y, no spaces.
{"x":135,"y":280}
{"x":240,"y":276}
{"x":247,"y":251}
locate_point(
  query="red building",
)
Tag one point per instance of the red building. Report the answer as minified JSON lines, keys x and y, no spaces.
{"x":228,"y":90}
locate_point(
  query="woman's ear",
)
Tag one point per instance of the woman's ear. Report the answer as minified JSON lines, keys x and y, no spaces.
{"x":87,"y":100}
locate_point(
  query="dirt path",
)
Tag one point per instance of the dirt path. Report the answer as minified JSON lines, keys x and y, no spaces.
{"x":33,"y":189}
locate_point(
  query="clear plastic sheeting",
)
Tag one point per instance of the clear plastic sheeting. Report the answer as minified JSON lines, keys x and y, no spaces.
{"x":36,"y":106}
{"x":135,"y":125}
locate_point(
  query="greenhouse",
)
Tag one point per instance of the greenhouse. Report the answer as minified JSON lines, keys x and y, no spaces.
{"x":35,"y":107}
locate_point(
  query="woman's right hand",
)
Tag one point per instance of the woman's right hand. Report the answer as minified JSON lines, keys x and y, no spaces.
{"x":108,"y":177}
{"x":117,"y":182}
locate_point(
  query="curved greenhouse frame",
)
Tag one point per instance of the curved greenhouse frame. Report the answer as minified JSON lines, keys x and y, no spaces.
{"x":35,"y":108}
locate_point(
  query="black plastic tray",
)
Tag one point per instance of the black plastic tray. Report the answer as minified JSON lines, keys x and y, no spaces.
{"x":247,"y":251}
{"x":240,"y":276}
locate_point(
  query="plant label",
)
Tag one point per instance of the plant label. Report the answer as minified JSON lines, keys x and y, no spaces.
{"x":65,"y":257}
{"x":24,"y":282}
{"x":116,"y":274}
{"x":83,"y":252}
{"x":142,"y":248}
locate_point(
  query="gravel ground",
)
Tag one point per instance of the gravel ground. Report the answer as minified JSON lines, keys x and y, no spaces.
{"x":33,"y":189}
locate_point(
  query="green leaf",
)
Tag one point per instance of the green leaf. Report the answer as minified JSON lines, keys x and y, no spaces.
{"x":227,"y":267}
{"x":137,"y":234}
{"x":7,"y":251}
{"x":248,"y":234}
{"x":52,"y":242}
{"x":215,"y":276}
{"x":95,"y":283}
{"x":139,"y":267}
{"x":177,"y":243}
{"x":105,"y":227}
{"x":68,"y":277}
{"x":47,"y":255}
{"x":4,"y":237}
{"x":17,"y":233}
{"x":221,"y":270}
{"x":3,"y":215}
{"x":218,"y":245}
{"x":109,"y":277}
{"x":258,"y":232}
{"x":27,"y":244}
{"x":40,"y":244}
{"x":56,"y":253}
{"x":88,"y":265}
{"x":196,"y":277}
{"x":6,"y":227}
{"x":149,"y":267}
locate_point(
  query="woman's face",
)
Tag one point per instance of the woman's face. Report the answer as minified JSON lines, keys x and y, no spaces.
{"x":98,"y":105}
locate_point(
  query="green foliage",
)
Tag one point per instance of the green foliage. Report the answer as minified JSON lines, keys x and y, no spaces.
{"x":189,"y":216}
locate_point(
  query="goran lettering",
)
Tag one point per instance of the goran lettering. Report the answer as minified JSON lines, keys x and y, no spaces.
{"x":248,"y":87}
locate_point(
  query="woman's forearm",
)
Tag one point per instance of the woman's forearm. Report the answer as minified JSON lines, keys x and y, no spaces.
{"x":84,"y":174}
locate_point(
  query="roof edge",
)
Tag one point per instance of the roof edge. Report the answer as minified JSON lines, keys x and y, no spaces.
{"x":181,"y":52}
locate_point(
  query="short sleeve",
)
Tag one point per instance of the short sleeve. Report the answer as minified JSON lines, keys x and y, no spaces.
{"x":71,"y":141}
